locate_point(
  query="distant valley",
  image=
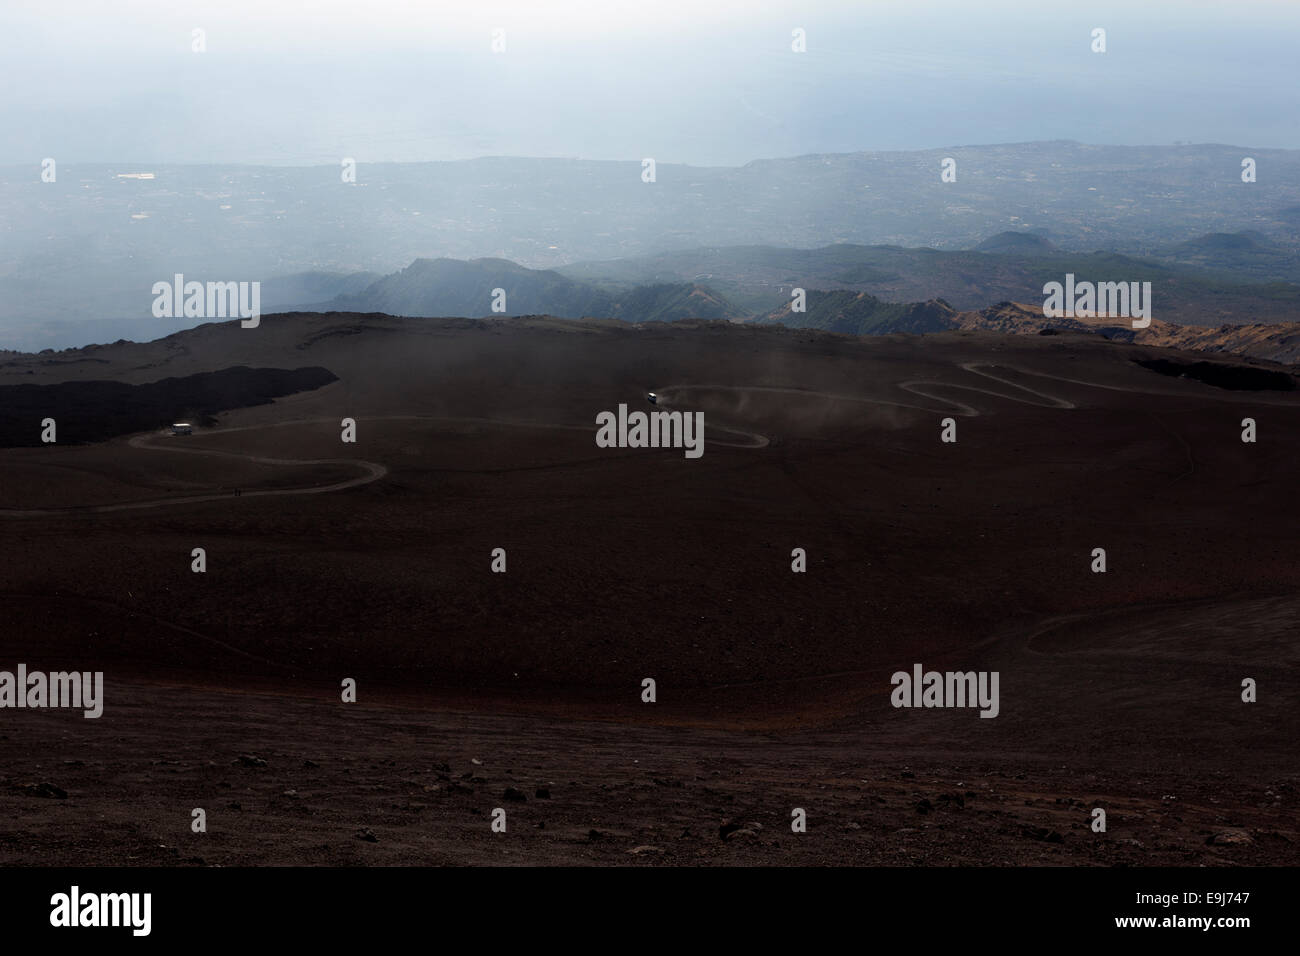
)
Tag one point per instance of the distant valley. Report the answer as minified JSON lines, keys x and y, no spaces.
{"x":78,"y":256}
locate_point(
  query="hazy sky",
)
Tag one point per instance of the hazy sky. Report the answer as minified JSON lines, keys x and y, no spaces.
{"x":708,"y":83}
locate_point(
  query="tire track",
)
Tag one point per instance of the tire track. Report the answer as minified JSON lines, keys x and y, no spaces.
{"x":914,"y":386}
{"x":373,"y":471}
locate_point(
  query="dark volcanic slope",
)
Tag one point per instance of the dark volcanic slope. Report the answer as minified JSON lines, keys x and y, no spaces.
{"x":1221,"y":375}
{"x":94,"y":411}
{"x":1119,"y":689}
{"x":487,"y":432}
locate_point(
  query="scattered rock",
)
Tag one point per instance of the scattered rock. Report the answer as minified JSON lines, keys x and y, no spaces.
{"x":638,"y":850}
{"x":367,"y":835}
{"x":1231,"y":836}
{"x":516,"y":796}
{"x":542,"y":794}
{"x":45,"y":789}
{"x":249,"y":760}
{"x":730,"y":830}
{"x":1044,"y":834}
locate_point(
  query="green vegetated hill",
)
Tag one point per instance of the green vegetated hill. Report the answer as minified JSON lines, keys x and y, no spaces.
{"x":1248,"y":255}
{"x":856,"y":313}
{"x":669,"y":301}
{"x":1017,"y":243}
{"x":1221,"y":278}
{"x":452,"y":287}
{"x":1214,"y":280}
{"x":1216,"y":293}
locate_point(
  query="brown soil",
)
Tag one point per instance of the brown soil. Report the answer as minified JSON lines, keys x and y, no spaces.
{"x":1118,"y":690}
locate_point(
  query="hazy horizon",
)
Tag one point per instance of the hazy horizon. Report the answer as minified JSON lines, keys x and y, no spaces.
{"x":111,"y":161}
{"x":799,"y":125}
{"x":702,"y":87}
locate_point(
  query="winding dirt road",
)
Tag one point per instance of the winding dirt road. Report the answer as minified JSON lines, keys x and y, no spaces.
{"x":916,"y":387}
{"x":373,"y":471}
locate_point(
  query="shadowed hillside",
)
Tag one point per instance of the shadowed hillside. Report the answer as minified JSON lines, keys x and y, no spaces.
{"x":95,"y":411}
